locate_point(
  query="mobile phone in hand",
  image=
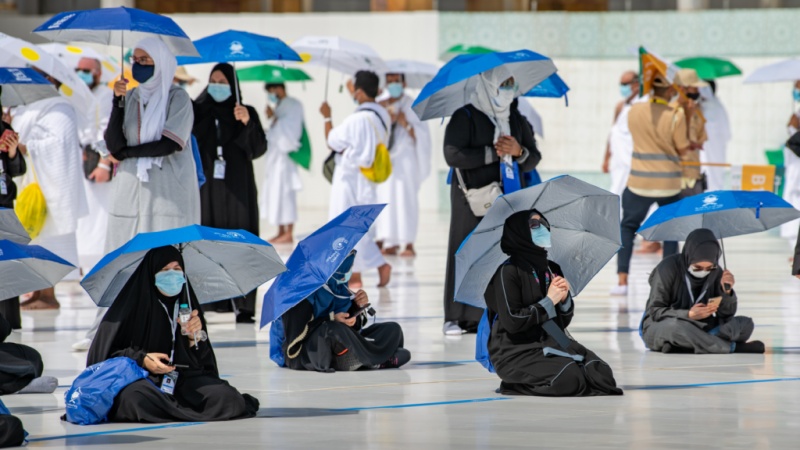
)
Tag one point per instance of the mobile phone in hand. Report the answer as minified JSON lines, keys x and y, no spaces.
{"x":714,"y":301}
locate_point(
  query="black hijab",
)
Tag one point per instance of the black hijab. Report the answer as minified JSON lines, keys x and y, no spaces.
{"x":137,"y":320}
{"x":518,"y":244}
{"x":207,"y":110}
{"x":701,"y":245}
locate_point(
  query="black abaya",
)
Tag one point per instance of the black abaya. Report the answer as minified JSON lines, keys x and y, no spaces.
{"x":468,"y":146}
{"x":137,"y":324}
{"x":19,"y":364}
{"x":232,"y":202}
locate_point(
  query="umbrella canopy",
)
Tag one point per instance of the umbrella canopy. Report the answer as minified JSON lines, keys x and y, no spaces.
{"x":709,"y":68}
{"x":339,"y":54}
{"x":726,"y":213}
{"x":18,"y":53}
{"x":27,"y":268}
{"x":71,"y":54}
{"x":10,"y":227}
{"x":461,"y":49}
{"x":233,"y":46}
{"x":416,"y":73}
{"x":453,"y":85}
{"x":316,"y":259}
{"x":584,"y":221}
{"x":116,"y":26}
{"x":787,"y":70}
{"x":272,"y":74}
{"x":22,"y":86}
{"x":220,"y":264}
{"x":552,"y":87}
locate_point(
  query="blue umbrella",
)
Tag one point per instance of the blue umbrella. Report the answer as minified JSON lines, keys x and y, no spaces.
{"x":11,"y":228}
{"x":316,"y":259}
{"x":220,"y":264}
{"x":453,"y":85}
{"x":26,"y":268}
{"x":552,"y":87}
{"x":22,"y":86}
{"x":116,"y":26}
{"x":584,"y":222}
{"x":725,"y":213}
{"x":235,"y":46}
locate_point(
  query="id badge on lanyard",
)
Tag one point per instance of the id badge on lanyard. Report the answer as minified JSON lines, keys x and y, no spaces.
{"x":171,"y":378}
{"x":219,"y":165}
{"x":3,"y":184}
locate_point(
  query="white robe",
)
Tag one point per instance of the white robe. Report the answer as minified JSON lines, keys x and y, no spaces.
{"x":93,"y":228}
{"x":532,"y":116}
{"x":278,"y":202}
{"x":718,"y":129}
{"x":791,"y":187}
{"x":621,"y":145}
{"x":411,"y":165}
{"x":49,"y":130}
{"x":355,"y":140}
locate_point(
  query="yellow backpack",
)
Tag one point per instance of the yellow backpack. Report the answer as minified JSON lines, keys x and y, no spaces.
{"x":31,"y":207}
{"x":381,"y":167}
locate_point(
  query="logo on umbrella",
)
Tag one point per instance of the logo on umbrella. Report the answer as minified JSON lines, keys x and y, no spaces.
{"x":60,"y":22}
{"x":338,"y":244}
{"x":236,"y":48}
{"x":230,"y":235}
{"x":74,"y":397}
{"x":709,"y":202}
{"x":19,"y":75}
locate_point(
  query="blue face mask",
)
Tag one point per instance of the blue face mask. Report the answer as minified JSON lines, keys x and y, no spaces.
{"x":170,"y":282}
{"x":86,"y":77}
{"x":625,"y":90}
{"x":395,"y":89}
{"x":219,"y":92}
{"x":796,"y":94}
{"x":346,"y":278}
{"x":541,"y":237}
{"x":273,"y":98}
{"x":142,"y":73}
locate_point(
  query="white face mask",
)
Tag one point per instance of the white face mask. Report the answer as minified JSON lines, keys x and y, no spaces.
{"x":504,"y":98}
{"x":699,"y":273}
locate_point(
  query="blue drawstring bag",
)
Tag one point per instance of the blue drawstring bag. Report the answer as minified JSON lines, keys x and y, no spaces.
{"x":532,"y":178}
{"x":92,"y":394}
{"x":276,"y":338}
{"x":198,"y":163}
{"x":482,"y":341}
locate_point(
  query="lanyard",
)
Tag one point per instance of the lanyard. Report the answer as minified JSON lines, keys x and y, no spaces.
{"x":172,"y":321}
{"x":660,"y":101}
{"x":691,"y":294}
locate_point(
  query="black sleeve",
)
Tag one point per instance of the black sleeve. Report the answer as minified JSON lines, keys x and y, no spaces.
{"x":17,"y":166}
{"x":796,"y":265}
{"x":514,"y":315}
{"x":659,"y":306}
{"x":457,"y":150}
{"x":162,"y":147}
{"x":114,"y":136}
{"x":252,"y":138}
{"x":5,"y":328}
{"x":296,"y":325}
{"x":528,"y":142}
{"x":133,"y":353}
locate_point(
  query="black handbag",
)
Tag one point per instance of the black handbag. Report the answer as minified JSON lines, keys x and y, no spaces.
{"x":90,"y":161}
{"x":794,"y":144}
{"x":329,"y":166}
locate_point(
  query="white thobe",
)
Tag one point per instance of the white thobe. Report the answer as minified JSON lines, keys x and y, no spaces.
{"x":354,"y":141}
{"x":93,"y":228}
{"x":49,"y":130}
{"x":718,"y":129}
{"x":278,"y":202}
{"x":411,"y":165}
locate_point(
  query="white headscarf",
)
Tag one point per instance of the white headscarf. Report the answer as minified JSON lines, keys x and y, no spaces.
{"x":488,"y":88}
{"x":154,"y":99}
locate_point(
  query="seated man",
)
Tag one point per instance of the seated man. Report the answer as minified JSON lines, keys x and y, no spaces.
{"x":685,"y":313}
{"x":325,"y":332}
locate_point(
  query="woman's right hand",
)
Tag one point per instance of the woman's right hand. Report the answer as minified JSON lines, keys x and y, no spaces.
{"x":121,"y":87}
{"x":153,"y":364}
{"x":556,"y":293}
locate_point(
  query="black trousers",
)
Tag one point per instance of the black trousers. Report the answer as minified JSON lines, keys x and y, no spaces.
{"x":634,"y":211}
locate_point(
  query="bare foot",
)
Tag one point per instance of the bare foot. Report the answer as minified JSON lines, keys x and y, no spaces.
{"x":649,"y":248}
{"x":282,"y":239}
{"x":41,"y":304}
{"x":29,"y":298}
{"x":408,"y":252}
{"x":384,"y":274}
{"x":355,"y":281}
{"x":391,"y":251}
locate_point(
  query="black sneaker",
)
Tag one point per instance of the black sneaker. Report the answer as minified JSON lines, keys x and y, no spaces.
{"x":749,"y":347}
{"x":400,"y":357}
{"x":245,"y":317}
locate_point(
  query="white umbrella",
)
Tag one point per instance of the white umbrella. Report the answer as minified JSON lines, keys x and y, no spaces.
{"x":333,"y":52}
{"x":788,"y":70}
{"x":18,"y":53}
{"x":417,"y":74}
{"x":71,"y":54}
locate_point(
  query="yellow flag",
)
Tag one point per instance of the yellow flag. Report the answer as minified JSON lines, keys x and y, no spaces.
{"x":651,"y":65}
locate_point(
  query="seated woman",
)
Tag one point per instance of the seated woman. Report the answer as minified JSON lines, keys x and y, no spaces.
{"x":143,"y":325}
{"x":21,"y":367}
{"x":325,"y":332}
{"x":679,"y":318}
{"x":530,"y":307}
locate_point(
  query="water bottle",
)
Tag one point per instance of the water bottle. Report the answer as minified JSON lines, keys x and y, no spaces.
{"x":184,"y":315}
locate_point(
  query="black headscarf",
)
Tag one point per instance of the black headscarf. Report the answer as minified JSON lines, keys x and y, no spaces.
{"x":207,"y":110}
{"x":701,"y":245}
{"x":518,"y":244}
{"x":138,"y":321}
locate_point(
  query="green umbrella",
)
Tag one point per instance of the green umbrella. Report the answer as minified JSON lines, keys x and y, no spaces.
{"x":709,"y":68}
{"x":462,"y":49}
{"x":272,"y":74}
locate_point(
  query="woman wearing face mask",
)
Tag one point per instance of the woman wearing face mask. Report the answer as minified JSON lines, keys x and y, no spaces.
{"x":791,"y":190}
{"x":143,"y":325}
{"x":230,"y":137}
{"x":530,"y":308}
{"x":326,"y":332}
{"x":692,"y":304}
{"x":478,"y":136}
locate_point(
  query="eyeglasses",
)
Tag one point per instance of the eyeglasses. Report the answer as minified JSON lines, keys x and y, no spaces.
{"x":703,"y":269}
{"x":86,"y":71}
{"x":536,"y":223}
{"x":143,"y":61}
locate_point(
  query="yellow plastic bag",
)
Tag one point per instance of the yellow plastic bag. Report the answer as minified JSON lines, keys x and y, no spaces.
{"x":31,"y":207}
{"x":382,"y":164}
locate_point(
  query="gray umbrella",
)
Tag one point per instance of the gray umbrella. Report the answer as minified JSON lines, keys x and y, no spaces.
{"x":11,"y":228}
{"x":584,"y":222}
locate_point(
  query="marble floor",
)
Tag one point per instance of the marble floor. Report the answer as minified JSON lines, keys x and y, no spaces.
{"x":444,"y":399}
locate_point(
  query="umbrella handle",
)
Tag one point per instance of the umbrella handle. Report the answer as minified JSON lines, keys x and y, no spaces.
{"x":236,"y":83}
{"x":121,"y":63}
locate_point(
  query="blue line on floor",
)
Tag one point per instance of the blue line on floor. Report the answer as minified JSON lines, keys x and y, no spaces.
{"x":238,"y":344}
{"x":416,"y":405}
{"x":379,"y":318}
{"x":432,"y":363}
{"x":716,"y":383}
{"x":126,"y":430}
